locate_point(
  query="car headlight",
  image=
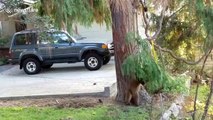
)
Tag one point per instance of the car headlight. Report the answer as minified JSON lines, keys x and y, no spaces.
{"x":104,"y":46}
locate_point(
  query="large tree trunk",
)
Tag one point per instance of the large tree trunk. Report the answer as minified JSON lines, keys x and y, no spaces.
{"x":122,"y":23}
{"x":124,"y":20}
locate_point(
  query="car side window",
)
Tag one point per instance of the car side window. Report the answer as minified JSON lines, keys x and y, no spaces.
{"x":25,"y":39}
{"x":60,"y":38}
{"x":44,"y":38}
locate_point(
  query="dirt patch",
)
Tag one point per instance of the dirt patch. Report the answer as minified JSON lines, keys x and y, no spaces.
{"x":74,"y":102}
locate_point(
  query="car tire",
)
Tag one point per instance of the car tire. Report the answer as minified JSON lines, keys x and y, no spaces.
{"x":93,"y":61}
{"x":47,"y":66}
{"x":31,"y":66}
{"x":106,"y":60}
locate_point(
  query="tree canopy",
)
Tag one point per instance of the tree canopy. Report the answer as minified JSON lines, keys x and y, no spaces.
{"x":68,"y":12}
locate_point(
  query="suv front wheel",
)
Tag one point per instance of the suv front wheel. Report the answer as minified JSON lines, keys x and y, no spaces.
{"x":93,"y":61}
{"x":31,"y":66}
{"x":106,"y":60}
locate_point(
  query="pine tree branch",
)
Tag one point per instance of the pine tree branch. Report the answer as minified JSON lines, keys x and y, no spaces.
{"x":208,"y":53}
{"x":182,"y":59}
{"x":195,"y":108}
{"x":154,"y":37}
{"x":208,"y":101}
{"x":145,"y":20}
{"x":147,"y":24}
{"x":201,"y":73}
{"x":211,"y":89}
{"x":178,"y":10}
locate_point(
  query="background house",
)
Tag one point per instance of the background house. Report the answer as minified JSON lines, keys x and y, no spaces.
{"x":11,"y":20}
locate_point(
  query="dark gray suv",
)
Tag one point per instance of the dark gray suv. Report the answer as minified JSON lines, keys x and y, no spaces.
{"x":34,"y":50}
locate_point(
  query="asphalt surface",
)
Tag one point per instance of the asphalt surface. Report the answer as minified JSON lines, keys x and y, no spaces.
{"x":60,"y":79}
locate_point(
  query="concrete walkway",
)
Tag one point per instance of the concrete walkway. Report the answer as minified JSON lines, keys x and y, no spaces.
{"x":60,"y":79}
{"x":5,"y":67}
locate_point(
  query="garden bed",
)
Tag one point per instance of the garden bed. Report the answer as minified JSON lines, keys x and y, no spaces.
{"x":4,"y":52}
{"x":4,"y":55}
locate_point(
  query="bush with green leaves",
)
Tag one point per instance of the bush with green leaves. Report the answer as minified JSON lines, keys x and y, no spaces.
{"x":143,"y":66}
{"x":3,"y":60}
{"x":4,"y":41}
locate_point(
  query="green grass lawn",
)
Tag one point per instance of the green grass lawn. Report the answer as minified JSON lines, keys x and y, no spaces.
{"x":102,"y":112}
{"x":51,"y":113}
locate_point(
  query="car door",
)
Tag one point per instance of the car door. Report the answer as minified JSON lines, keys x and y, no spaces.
{"x":45,"y":46}
{"x":64,"y":47}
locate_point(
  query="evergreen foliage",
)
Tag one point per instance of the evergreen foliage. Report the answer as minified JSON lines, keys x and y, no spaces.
{"x":101,"y":12}
{"x":182,"y":33}
{"x":143,"y":66}
{"x":71,"y":11}
{"x":41,"y":23}
{"x":84,"y":12}
{"x":205,"y":14}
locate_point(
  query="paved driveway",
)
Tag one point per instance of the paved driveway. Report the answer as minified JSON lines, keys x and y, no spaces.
{"x":60,"y":79}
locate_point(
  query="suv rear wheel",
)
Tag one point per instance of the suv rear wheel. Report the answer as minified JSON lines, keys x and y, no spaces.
{"x":93,"y":61}
{"x":31,"y":66}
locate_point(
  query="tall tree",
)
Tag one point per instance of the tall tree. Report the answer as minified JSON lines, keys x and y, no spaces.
{"x":122,"y":24}
{"x":124,"y":13}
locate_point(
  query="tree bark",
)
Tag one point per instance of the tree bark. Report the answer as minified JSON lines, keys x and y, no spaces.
{"x":47,"y":5}
{"x":122,"y":23}
{"x":63,"y":26}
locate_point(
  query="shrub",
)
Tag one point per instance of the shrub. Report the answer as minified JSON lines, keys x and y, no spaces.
{"x":143,"y":65}
{"x":4,"y":41}
{"x":3,"y":60}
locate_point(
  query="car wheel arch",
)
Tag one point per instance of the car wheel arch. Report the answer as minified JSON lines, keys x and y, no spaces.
{"x":86,"y":52}
{"x":24,"y":57}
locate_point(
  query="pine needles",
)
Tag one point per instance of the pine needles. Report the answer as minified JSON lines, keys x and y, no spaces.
{"x":146,"y":70}
{"x":205,"y":15}
{"x":84,"y":12}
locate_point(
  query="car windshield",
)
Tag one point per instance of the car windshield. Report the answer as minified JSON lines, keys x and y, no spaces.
{"x":61,"y":37}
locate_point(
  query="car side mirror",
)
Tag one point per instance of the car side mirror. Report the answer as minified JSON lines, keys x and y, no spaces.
{"x":70,"y":43}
